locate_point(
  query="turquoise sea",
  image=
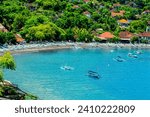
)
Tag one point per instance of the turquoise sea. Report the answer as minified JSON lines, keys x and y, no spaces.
{"x":39,"y":73}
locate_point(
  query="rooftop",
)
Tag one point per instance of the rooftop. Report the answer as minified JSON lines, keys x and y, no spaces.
{"x":106,"y":35}
{"x":124,"y":21}
{"x":125,"y":35}
{"x":121,"y":13}
{"x":86,"y":1}
{"x":86,"y":13}
{"x":144,"y":34}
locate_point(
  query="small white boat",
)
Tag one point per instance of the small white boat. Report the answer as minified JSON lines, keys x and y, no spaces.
{"x":132,"y":55}
{"x":66,"y":68}
{"x":138,"y":52}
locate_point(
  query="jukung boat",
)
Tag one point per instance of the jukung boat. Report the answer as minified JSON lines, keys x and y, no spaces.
{"x":93,"y":74}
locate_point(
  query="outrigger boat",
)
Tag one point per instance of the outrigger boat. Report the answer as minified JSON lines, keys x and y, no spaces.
{"x":138,"y":52}
{"x":119,"y":59}
{"x":132,"y":55}
{"x":66,"y":68}
{"x":93,"y":74}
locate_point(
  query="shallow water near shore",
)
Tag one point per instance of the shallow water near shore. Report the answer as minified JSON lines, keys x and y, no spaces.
{"x":39,"y":73}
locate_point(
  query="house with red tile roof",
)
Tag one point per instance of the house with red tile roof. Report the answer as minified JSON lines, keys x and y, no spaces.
{"x":88,"y":14}
{"x":106,"y":36}
{"x":86,"y":1}
{"x":146,"y":12}
{"x":145,"y":36}
{"x":120,"y":13}
{"x":125,"y":35}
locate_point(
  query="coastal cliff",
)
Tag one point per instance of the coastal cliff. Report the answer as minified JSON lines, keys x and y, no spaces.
{"x":11,"y":91}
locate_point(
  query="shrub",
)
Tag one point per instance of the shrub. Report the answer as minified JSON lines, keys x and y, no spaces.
{"x":114,"y":40}
{"x":134,"y":40}
{"x":7,"y":37}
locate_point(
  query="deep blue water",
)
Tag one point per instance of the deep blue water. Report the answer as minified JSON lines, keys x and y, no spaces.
{"x":39,"y":73}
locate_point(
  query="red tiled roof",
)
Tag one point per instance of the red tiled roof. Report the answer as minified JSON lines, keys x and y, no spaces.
{"x":121,"y":13}
{"x":125,"y":35}
{"x":86,"y":13}
{"x":147,"y":11}
{"x":144,"y":34}
{"x":86,"y":0}
{"x":106,"y":35}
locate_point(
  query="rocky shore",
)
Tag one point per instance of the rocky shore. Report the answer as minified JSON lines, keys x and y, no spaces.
{"x":66,"y":45}
{"x":11,"y":91}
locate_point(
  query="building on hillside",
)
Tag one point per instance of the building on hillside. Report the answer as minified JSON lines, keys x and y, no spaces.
{"x":75,"y":7}
{"x":126,"y":36}
{"x":2,"y":28}
{"x":123,"y":23}
{"x":146,"y":12}
{"x":105,"y":36}
{"x":88,"y":14}
{"x":145,"y":36}
{"x":86,"y":1}
{"x":120,"y":13}
{"x":99,"y":29}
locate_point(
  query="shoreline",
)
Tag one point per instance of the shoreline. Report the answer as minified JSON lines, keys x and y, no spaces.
{"x":28,"y":48}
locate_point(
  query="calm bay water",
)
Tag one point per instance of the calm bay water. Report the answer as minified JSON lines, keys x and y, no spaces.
{"x":39,"y":73}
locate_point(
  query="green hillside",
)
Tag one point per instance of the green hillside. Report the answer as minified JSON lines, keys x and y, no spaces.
{"x":76,"y":20}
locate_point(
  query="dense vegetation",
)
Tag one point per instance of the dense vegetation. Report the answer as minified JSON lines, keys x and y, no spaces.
{"x":7,"y":89}
{"x":56,"y":20}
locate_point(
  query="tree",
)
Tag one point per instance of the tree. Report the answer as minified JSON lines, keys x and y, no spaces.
{"x":36,"y":20}
{"x":82,"y":34}
{"x":137,"y":26}
{"x":19,"y":22}
{"x":48,"y":31}
{"x":7,"y":37}
{"x":134,"y":40}
{"x":6,"y":62}
{"x":69,"y":34}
